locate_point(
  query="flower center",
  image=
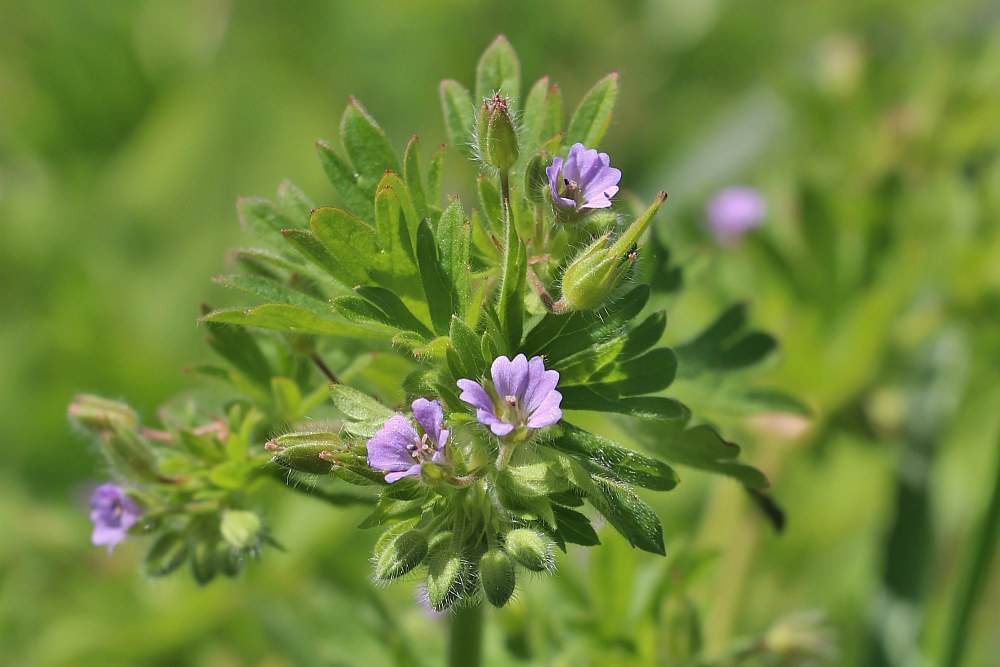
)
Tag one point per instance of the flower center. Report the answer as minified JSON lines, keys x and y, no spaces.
{"x":511,"y":411}
{"x":420,"y":448}
{"x":570,"y":189}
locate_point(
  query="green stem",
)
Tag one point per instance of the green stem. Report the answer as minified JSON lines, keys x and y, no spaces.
{"x":465,"y":645}
{"x":974,"y":577}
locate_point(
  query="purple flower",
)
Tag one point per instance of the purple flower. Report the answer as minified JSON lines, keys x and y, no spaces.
{"x":400,"y":450}
{"x":113,"y":513}
{"x":733,"y":212}
{"x":522,"y":395}
{"x":586,"y":180}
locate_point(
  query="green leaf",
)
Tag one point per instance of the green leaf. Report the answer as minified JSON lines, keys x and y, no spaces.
{"x":651,"y":372}
{"x":390,"y":304}
{"x":395,"y":264}
{"x":591,"y":119}
{"x":489,"y":198}
{"x":344,"y":179}
{"x":287,"y":397}
{"x":644,"y":336}
{"x":609,"y":459}
{"x":412,"y":176}
{"x":596,"y":398}
{"x":699,"y":446}
{"x":459,"y":113}
{"x":261,"y":218}
{"x":294,"y":204}
{"x":310,"y":247}
{"x":284,"y":317}
{"x":350,"y":241}
{"x":512,"y":282}
{"x":437,"y":287}
{"x":388,"y":509}
{"x":167,"y":554}
{"x":724,"y":345}
{"x":239,"y":347}
{"x":361,"y":312}
{"x":367,"y":147}
{"x":533,"y":119}
{"x":357,"y":405}
{"x":629,"y":514}
{"x":575,"y":527}
{"x":454,"y":235}
{"x":498,"y":70}
{"x":466,"y":358}
{"x":435,"y":178}
{"x":274,"y":292}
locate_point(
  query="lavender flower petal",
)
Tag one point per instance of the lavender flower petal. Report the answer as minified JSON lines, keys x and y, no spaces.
{"x":548,"y":411}
{"x":525,"y":395}
{"x":585,"y":180}
{"x":474,"y":394}
{"x":113,"y":514}
{"x":733,"y":212}
{"x":430,"y":416}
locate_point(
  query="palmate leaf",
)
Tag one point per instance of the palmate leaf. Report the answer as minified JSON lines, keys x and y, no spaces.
{"x":725,"y":345}
{"x":609,"y":459}
{"x":698,"y":446}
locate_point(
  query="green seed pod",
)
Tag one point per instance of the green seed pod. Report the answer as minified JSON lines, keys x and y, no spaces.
{"x":129,"y":453}
{"x":496,"y":572}
{"x":536,"y":181}
{"x":399,"y":555}
{"x":444,"y":579}
{"x":204,"y":562}
{"x":597,"y":271}
{"x":166,"y":554}
{"x":530,"y":548}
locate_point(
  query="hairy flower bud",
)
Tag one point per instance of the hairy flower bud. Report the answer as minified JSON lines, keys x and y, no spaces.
{"x":399,"y":554}
{"x":496,"y":137}
{"x":240,"y":529}
{"x":444,"y":578}
{"x":597,"y":271}
{"x":100,"y":414}
{"x":530,"y":548}
{"x":304,"y":452}
{"x":496,"y":573}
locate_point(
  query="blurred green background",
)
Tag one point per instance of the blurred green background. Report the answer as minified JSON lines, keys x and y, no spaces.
{"x":128,"y":129}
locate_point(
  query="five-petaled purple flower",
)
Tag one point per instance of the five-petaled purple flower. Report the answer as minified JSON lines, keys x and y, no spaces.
{"x":522,"y":395}
{"x":733,"y":212}
{"x":400,"y":450}
{"x":113,"y":513}
{"x":586,"y":180}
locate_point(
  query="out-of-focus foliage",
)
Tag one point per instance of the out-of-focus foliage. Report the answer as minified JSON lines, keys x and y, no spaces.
{"x":129,"y":129}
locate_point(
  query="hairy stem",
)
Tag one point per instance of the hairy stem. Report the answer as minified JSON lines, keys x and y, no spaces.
{"x":465,"y":643}
{"x":324,"y":369}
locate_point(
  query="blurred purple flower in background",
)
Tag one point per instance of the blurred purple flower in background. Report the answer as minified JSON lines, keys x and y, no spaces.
{"x":733,"y":211}
{"x":586,"y":180}
{"x":113,"y":513}
{"x":523,"y":395}
{"x":400,"y":450}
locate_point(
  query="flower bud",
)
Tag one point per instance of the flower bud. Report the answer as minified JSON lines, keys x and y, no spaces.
{"x":444,"y":579}
{"x":240,"y":529}
{"x":204,"y":562}
{"x":304,"y":452}
{"x":530,"y":548}
{"x":536,"y":182}
{"x":166,"y":554}
{"x":597,"y":271}
{"x":399,"y":554}
{"x":495,"y":133}
{"x":496,"y":573}
{"x":99,"y":414}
